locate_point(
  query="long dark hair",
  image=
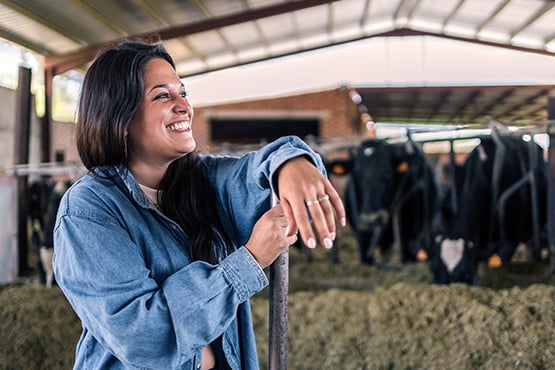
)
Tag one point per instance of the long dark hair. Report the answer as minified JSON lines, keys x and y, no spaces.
{"x":111,"y":93}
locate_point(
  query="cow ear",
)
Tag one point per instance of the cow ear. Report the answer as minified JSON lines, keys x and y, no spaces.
{"x":339,"y":167}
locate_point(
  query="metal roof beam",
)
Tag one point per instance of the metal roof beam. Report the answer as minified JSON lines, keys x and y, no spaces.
{"x":497,"y":10}
{"x":443,"y":98}
{"x":65,"y":62}
{"x":540,"y":12}
{"x":497,"y":101}
{"x":202,"y":9}
{"x":152,"y":13}
{"x":451,"y":14}
{"x":527,"y":101}
{"x":364,"y":16}
{"x":42,"y":21}
{"x":470,"y":100}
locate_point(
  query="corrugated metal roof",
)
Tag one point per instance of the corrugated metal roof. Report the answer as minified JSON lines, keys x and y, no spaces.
{"x":209,"y":35}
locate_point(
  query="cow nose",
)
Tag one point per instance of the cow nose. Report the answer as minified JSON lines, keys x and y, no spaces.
{"x":368,"y":221}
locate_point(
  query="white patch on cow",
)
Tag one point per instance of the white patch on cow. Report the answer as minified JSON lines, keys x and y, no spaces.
{"x":409,"y":146}
{"x":369,"y":151}
{"x":482,"y":154}
{"x":451,"y":253}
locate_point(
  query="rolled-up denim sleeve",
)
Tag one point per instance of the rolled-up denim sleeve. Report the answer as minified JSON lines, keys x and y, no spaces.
{"x":244,"y":185}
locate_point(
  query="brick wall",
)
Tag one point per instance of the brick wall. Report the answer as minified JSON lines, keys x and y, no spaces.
{"x":337,"y":113}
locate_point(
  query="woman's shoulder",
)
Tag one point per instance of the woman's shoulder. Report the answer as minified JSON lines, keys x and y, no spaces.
{"x":88,"y":194}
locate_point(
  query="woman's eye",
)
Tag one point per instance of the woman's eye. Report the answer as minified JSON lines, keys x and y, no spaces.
{"x":184,"y":94}
{"x":162,"y":96}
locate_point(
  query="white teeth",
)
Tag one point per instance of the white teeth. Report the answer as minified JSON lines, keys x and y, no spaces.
{"x":179,"y":126}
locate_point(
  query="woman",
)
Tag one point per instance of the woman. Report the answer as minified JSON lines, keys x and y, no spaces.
{"x":158,"y":249}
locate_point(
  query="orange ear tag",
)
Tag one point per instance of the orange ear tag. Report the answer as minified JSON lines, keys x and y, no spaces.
{"x":421,"y":256}
{"x":494,"y":261}
{"x":402,"y":167}
{"x":338,"y":170}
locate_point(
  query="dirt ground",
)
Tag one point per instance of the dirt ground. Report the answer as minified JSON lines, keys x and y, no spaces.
{"x":345,"y":316}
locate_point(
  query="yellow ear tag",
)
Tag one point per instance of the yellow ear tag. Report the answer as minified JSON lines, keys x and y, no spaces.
{"x":494,"y":261}
{"x":402,"y":167}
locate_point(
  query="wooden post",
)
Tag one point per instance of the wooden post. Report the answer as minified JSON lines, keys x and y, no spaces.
{"x":22,"y":134}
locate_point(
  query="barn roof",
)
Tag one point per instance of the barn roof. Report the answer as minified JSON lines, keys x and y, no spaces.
{"x":210,"y":35}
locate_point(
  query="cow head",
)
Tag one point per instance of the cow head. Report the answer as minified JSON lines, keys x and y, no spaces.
{"x":455,"y":260}
{"x":377,"y":168}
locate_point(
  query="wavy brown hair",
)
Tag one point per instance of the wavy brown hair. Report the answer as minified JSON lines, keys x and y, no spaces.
{"x":110,"y":96}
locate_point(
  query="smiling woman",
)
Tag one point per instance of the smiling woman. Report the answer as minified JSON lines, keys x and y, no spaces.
{"x":159,"y":248}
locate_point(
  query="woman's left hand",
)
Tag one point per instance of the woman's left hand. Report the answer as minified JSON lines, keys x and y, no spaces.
{"x":310,"y":202}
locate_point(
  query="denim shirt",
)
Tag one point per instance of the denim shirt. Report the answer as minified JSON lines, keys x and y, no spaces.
{"x":125,"y":269}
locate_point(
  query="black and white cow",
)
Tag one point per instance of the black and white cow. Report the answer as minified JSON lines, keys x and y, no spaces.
{"x":45,"y":196}
{"x":38,"y":193}
{"x":501,"y":194}
{"x":390,"y":199}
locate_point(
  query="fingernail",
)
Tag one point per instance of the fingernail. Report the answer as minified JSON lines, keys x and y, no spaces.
{"x":287,"y":231}
{"x":311,"y":243}
{"x":343,"y":221}
{"x":332,"y":235}
{"x":328,"y":243}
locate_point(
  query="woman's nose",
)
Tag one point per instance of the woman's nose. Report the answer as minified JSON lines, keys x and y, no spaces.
{"x":182,"y":104}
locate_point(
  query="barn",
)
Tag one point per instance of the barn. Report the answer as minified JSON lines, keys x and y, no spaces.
{"x":405,"y":79}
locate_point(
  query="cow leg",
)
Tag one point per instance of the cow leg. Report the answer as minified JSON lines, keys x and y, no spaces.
{"x":365,"y":249}
{"x":506,"y":251}
{"x":46,"y":255}
{"x":36,"y":238}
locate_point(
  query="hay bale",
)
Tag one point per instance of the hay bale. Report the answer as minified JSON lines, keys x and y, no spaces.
{"x":417,"y":326}
{"x":39,"y":328}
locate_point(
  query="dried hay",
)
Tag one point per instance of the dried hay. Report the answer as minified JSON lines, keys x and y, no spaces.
{"x":417,"y":326}
{"x":39,"y":328}
{"x":345,"y":316}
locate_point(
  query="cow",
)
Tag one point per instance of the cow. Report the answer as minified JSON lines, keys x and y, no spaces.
{"x":45,"y":195}
{"x":390,"y":199}
{"x":501,"y":201}
{"x":38,"y":193}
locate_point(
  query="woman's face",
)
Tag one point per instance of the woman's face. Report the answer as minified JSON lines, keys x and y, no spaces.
{"x":160,"y":131}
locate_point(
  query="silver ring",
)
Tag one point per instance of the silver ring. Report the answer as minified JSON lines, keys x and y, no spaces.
{"x":311,"y":202}
{"x":323,"y":197}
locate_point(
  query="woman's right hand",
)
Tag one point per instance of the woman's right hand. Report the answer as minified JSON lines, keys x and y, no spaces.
{"x":270,"y":237}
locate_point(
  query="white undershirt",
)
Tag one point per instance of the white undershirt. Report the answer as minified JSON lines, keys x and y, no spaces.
{"x":151,"y":194}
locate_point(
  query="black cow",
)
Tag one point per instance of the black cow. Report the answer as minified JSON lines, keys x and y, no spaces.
{"x":500,"y":202}
{"x":390,"y":199}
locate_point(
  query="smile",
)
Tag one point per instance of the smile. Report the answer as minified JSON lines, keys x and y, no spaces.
{"x":179,"y":126}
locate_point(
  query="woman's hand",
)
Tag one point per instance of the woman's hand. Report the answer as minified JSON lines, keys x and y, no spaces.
{"x":310,"y":202}
{"x":270,"y":237}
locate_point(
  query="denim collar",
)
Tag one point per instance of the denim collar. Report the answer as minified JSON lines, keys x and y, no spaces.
{"x":123,"y":177}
